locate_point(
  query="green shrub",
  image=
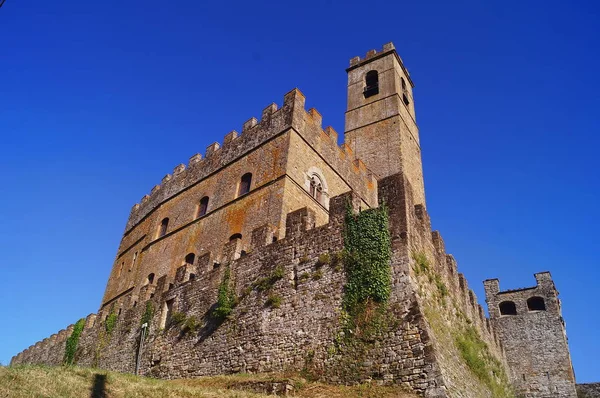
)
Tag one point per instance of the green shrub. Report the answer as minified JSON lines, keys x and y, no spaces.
{"x":422,"y":264}
{"x":111,"y":321}
{"x":148,"y":314}
{"x":324,"y":259}
{"x":191,"y":325}
{"x":266,"y":283}
{"x":177,"y":318}
{"x":480,"y":361}
{"x":73,"y":342}
{"x":303,"y":277}
{"x":226,"y":299}
{"x":273,"y":301}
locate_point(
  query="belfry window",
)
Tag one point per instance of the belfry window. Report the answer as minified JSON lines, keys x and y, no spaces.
{"x":372,"y":84}
{"x":508,"y":308}
{"x":404,"y":92}
{"x":316,"y":188}
{"x":162,"y":230}
{"x":245,"y":183}
{"x":536,"y":304}
{"x":202,"y":207}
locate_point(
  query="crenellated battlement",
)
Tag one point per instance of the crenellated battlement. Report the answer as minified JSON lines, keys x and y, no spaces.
{"x":373,"y":54}
{"x":274,"y":121}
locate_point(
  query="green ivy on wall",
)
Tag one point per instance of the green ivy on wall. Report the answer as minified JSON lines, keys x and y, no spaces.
{"x":367,"y":245}
{"x":73,"y":342}
{"x":226,"y":298}
{"x":111,"y":321}
{"x":148,"y":314}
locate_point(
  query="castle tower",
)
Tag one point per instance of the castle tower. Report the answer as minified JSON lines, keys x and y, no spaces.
{"x":531,"y":328}
{"x":380,"y":117}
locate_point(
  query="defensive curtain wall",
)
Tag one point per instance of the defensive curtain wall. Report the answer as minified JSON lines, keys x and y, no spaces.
{"x":288,"y":312}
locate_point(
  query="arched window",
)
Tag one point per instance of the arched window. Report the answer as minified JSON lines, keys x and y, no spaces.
{"x":316,"y":188}
{"x":508,"y":308}
{"x":371,"y":84}
{"x":162,"y":230}
{"x":245,"y":183}
{"x":235,"y":236}
{"x":189,"y":259}
{"x":404,"y":92}
{"x":536,"y":304}
{"x":202,"y":207}
{"x":150,"y":279}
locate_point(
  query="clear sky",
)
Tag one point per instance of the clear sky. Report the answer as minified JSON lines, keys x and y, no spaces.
{"x":99,"y":100}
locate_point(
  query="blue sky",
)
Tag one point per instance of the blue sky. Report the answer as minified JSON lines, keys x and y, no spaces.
{"x":98,"y":101}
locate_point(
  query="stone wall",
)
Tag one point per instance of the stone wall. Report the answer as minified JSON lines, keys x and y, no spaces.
{"x":281,"y":151}
{"x":590,"y":390}
{"x":534,"y":338}
{"x":301,"y":332}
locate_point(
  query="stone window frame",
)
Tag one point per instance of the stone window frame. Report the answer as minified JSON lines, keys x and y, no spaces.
{"x":309,"y":176}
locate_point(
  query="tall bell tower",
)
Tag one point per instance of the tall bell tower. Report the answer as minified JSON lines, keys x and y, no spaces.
{"x":380,"y":117}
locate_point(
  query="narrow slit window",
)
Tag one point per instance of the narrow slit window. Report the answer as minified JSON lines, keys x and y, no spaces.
{"x":162,"y":230}
{"x":135,"y":255}
{"x":245,"y":184}
{"x":404,"y":92}
{"x":371,"y":84}
{"x":202,"y":207}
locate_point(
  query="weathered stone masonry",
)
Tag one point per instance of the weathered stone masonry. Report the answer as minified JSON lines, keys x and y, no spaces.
{"x":273,"y":239}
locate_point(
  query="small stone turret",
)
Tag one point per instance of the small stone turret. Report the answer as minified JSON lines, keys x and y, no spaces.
{"x":532,"y":331}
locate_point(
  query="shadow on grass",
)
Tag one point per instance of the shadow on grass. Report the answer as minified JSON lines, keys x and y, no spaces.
{"x":99,"y":387}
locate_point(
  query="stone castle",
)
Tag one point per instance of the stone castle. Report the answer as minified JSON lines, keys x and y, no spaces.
{"x":263,"y":217}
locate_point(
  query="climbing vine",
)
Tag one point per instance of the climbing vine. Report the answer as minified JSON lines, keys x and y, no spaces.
{"x":226,"y":298}
{"x":367,"y":245}
{"x":111,"y":321}
{"x":73,"y":342}
{"x":148,"y":314}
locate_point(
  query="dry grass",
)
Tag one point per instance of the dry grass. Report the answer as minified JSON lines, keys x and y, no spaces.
{"x":39,"y":381}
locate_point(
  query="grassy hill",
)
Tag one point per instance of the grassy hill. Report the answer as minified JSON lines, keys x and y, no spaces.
{"x":39,"y":381}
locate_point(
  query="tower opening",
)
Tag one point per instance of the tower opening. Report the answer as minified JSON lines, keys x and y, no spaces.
{"x":372,"y":84}
{"x":536,"y":304}
{"x":508,"y":308}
